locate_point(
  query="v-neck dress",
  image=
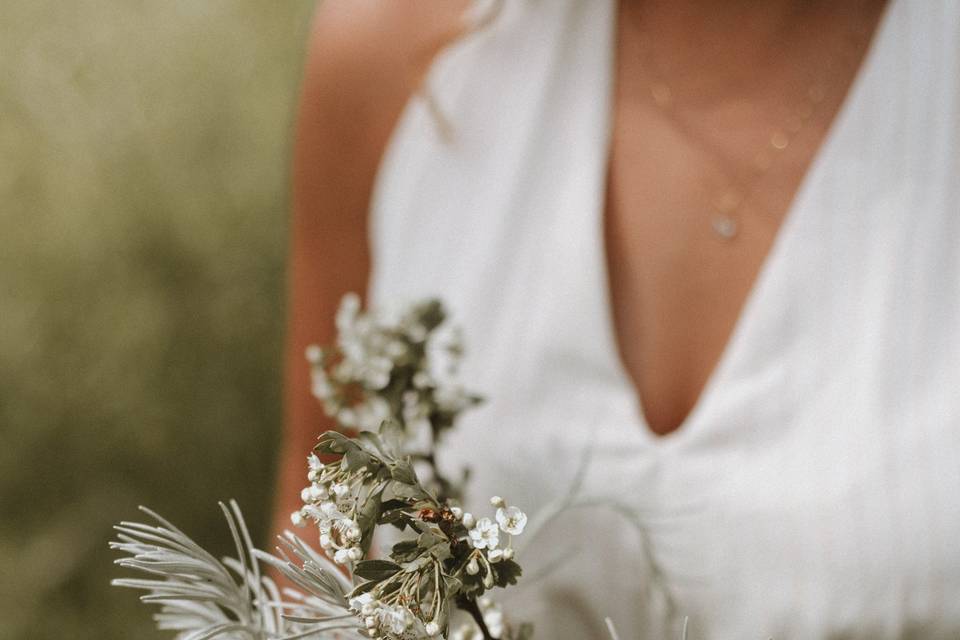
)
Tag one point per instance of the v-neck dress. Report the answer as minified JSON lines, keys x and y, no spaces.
{"x":814,"y":492}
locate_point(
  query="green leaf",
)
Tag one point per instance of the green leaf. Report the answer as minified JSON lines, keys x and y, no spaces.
{"x":506,"y":572}
{"x":405,"y":551}
{"x":421,"y":562}
{"x":334,"y":442}
{"x":376,"y":570}
{"x":355,"y":459}
{"x":372,"y":444}
{"x":392,"y":435}
{"x":428,"y":539}
{"x":361,"y":589}
{"x":403,"y":472}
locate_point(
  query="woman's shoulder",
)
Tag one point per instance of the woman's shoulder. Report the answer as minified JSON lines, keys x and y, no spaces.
{"x":366,"y":57}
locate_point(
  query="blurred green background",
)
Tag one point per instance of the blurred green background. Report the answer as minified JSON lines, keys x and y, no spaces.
{"x":143,"y":218}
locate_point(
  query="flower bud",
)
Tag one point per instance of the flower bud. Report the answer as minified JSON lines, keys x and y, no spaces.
{"x":497,"y":501}
{"x":495,"y":555}
{"x":296,"y":518}
{"x":469,"y":520}
{"x":342,"y":556}
{"x":325,"y":541}
{"x":488,"y":580}
{"x":314,"y":354}
{"x":305,"y":494}
{"x":370,"y":622}
{"x":473,"y":568}
{"x":432,"y":629}
{"x":508,"y":553}
{"x":328,"y":508}
{"x":355,"y":553}
{"x":457,"y":512}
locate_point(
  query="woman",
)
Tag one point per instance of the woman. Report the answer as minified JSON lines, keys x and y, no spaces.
{"x":712,"y":243}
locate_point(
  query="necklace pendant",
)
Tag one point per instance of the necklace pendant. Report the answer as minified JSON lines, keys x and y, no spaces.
{"x":724,"y":226}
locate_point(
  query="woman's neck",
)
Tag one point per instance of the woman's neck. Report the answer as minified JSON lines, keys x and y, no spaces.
{"x":708,"y":46}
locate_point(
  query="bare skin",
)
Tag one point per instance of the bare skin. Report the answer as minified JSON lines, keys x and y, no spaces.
{"x":677,"y":290}
{"x":736,"y":67}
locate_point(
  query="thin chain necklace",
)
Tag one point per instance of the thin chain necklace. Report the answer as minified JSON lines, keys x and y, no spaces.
{"x":727,"y":203}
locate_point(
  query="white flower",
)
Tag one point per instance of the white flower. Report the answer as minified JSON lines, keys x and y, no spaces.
{"x":465,"y":632}
{"x":330,"y":511}
{"x":357,"y":602}
{"x":310,"y":511}
{"x":485,"y":535}
{"x":319,"y":383}
{"x":342,"y":556}
{"x":372,"y":412}
{"x":495,"y":556}
{"x":347,"y":417}
{"x":396,"y":349}
{"x":395,"y":619}
{"x":314,"y":354}
{"x":432,"y":629}
{"x":347,"y":313}
{"x":511,"y":520}
{"x":494,"y":621}
{"x":296,"y":518}
{"x":422,"y":380}
{"x":377,"y":373}
{"x":314,"y":462}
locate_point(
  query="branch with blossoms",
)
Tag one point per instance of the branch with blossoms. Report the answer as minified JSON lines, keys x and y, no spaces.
{"x":399,"y":366}
{"x":390,"y":384}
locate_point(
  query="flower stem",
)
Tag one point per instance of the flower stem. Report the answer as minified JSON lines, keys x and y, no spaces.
{"x":470,"y":606}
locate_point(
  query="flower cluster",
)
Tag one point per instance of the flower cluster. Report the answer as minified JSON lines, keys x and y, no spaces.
{"x":389,"y":379}
{"x":451,"y":559}
{"x":390,"y":620}
{"x":484,"y":537}
{"x":331,"y":501}
{"x":399,"y":365}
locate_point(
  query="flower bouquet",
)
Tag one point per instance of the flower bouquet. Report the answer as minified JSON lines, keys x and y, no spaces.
{"x":398,"y":556}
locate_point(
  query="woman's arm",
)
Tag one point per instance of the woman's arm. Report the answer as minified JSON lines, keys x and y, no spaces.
{"x":364,"y":60}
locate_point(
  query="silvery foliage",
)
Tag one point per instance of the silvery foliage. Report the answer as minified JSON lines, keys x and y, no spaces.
{"x":392,"y":377}
{"x":202,"y":597}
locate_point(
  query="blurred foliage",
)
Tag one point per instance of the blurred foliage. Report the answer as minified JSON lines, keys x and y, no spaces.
{"x":143,"y":172}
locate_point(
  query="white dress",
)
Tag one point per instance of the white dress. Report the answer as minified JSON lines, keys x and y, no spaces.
{"x":814,"y":492}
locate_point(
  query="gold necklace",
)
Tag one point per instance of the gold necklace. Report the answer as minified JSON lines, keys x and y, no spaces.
{"x":727,"y":203}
